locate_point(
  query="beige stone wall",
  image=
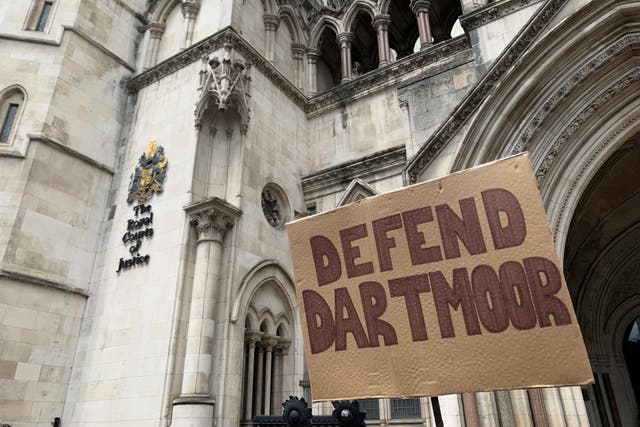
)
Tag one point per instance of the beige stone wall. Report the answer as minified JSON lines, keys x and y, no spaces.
{"x":213,"y":16}
{"x":38,"y":329}
{"x":247,"y":19}
{"x":58,"y":175}
{"x":363,"y":126}
{"x":173,"y":37}
{"x":282,"y":51}
{"x":129,"y":316}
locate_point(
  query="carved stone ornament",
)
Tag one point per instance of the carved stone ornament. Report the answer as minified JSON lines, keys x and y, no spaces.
{"x":274,"y":205}
{"x":148,"y":175}
{"x":211,"y":218}
{"x":224,"y":84}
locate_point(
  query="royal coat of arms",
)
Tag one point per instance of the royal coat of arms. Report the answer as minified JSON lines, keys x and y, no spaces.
{"x":149,"y":174}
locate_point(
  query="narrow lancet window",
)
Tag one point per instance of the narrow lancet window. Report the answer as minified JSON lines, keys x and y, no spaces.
{"x":44,"y":16}
{"x":7,"y":125}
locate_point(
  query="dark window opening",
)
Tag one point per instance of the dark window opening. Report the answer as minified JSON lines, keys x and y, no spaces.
{"x":44,"y":16}
{"x":364,"y":48}
{"x":631,"y":349}
{"x":405,"y":409}
{"x":329,"y":64}
{"x":371,"y":407}
{"x":7,"y":125}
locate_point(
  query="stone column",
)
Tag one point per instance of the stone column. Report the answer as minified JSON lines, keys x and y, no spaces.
{"x":312,"y":70}
{"x":505,"y":409}
{"x":270,"y":344}
{"x":381,"y":24}
{"x":156,"y":31}
{"x":471,"y":417}
{"x":538,"y":411}
{"x":421,"y":9}
{"x":189,"y":12}
{"x":297,"y":50}
{"x":345,"y":39}
{"x":252,"y":338}
{"x":271,"y":23}
{"x":260,"y":379}
{"x":194,"y":406}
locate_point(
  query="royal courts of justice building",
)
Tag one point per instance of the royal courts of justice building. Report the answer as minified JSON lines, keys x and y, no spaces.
{"x":123,"y":305}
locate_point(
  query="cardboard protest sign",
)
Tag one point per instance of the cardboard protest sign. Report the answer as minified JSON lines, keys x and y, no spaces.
{"x":447,"y":286}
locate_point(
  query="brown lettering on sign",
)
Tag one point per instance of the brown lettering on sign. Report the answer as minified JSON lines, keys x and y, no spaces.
{"x":374,"y":304}
{"x":415,"y":238}
{"x":319,"y":321}
{"x":383,"y":242}
{"x":489,"y":299}
{"x":457,"y":295}
{"x":499,"y":200}
{"x":322,"y":248}
{"x":351,"y":253}
{"x":410,"y":288}
{"x":515,"y":289}
{"x":466,"y":229}
{"x":547,"y":304}
{"x":349,"y":323}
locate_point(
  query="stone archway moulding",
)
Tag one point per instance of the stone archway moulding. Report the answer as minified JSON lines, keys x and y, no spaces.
{"x":263,"y":272}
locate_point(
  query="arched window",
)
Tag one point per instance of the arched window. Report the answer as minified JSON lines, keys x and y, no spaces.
{"x":267,"y":362}
{"x":11,"y":106}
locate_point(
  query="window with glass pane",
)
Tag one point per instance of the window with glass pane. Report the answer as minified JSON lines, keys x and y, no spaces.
{"x":405,"y":408}
{"x":7,"y":125}
{"x":371,"y":407}
{"x":44,"y":16}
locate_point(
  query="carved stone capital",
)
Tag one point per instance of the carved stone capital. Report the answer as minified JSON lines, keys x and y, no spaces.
{"x":381,"y":22}
{"x":253,"y":337}
{"x":156,"y":30}
{"x":212,"y":218}
{"x":297,"y":50}
{"x":190,"y":9}
{"x":270,"y":343}
{"x":420,"y":6}
{"x":271,"y":22}
{"x":345,"y":39}
{"x":211,"y":225}
{"x":283,"y":345}
{"x":313,"y":55}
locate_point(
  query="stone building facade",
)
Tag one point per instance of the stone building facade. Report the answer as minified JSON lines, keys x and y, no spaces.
{"x":267,"y":110}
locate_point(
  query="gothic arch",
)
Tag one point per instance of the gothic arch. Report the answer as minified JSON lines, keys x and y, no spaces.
{"x":354,"y":9}
{"x":10,"y":97}
{"x":270,"y":351}
{"x":592,"y":84}
{"x":267,"y":270}
{"x":162,"y":10}
{"x":383,"y":7}
{"x":318,"y":28}
{"x":505,"y":117}
{"x":269,"y":7}
{"x":288,"y":16}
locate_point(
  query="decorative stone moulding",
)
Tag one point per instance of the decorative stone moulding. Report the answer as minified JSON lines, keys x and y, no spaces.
{"x":432,"y":147}
{"x":226,"y":84}
{"x":228,"y":38}
{"x":275,"y":205}
{"x":212,"y":217}
{"x":491,"y":12}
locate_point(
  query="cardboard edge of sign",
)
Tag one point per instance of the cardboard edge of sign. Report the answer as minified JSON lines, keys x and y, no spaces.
{"x":525,"y":157}
{"x":334,"y":211}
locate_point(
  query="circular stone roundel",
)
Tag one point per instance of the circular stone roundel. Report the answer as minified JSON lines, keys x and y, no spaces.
{"x":275,"y":206}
